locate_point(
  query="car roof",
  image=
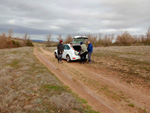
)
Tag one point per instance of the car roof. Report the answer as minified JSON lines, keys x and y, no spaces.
{"x":80,"y":37}
{"x":67,"y":44}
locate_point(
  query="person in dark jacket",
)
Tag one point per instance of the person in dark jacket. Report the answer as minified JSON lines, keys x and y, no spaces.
{"x":60,"y":50}
{"x":90,"y":50}
{"x":83,"y":52}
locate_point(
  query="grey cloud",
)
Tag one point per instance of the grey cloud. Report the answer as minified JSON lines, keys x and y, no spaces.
{"x":74,"y":16}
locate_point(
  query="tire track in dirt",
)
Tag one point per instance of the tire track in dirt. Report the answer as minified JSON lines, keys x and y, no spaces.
{"x":136,"y":96}
{"x":83,"y":91}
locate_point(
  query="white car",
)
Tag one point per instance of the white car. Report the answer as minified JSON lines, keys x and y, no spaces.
{"x":71,"y":51}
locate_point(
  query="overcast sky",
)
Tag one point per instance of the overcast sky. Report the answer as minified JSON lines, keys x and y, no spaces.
{"x":40,"y":17}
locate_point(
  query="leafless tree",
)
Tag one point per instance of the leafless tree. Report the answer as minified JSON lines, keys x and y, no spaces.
{"x":148,"y":33}
{"x":68,"y":39}
{"x":9,"y":39}
{"x":125,"y":39}
{"x":59,"y":38}
{"x":10,"y":34}
{"x":107,"y":40}
{"x":48,"y":44}
{"x":92,"y":39}
{"x":25,"y":36}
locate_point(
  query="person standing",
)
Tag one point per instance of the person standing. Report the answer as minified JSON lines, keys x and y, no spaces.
{"x":90,"y":50}
{"x":83,"y":52}
{"x":60,"y":50}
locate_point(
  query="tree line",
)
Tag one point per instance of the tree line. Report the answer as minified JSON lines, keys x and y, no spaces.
{"x":125,"y":39}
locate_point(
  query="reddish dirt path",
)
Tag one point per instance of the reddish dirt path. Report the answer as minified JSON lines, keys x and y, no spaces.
{"x":82,"y":79}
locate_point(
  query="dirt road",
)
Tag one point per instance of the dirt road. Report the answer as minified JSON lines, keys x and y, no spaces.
{"x":104,"y":93}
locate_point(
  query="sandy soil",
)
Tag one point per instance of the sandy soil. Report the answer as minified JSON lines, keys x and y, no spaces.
{"x":104,"y":92}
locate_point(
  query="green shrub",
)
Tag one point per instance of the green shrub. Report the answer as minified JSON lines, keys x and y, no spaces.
{"x":131,"y":105}
{"x":15,"y":43}
{"x":29,"y":43}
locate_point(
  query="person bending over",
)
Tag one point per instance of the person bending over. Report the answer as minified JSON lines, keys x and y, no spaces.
{"x":83,"y":52}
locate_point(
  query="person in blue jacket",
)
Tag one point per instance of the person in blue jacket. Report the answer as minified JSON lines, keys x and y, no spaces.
{"x":90,"y":50}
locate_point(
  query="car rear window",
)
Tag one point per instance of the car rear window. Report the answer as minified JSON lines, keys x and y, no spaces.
{"x":78,"y":40}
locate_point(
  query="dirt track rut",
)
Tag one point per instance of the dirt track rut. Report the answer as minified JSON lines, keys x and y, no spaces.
{"x":70,"y":74}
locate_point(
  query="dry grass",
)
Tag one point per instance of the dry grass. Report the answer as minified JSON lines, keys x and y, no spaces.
{"x":132,"y":62}
{"x":8,"y":41}
{"x":27,"y":86}
{"x":50,"y":49}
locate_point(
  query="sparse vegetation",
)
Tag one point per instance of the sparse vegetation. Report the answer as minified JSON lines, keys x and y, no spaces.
{"x":8,"y":41}
{"x":142,"y":110}
{"x":28,"y":86}
{"x":101,"y":40}
{"x":48,"y":43}
{"x":59,"y":38}
{"x":68,"y":39}
{"x":29,"y":43}
{"x":131,"y":63}
{"x":125,"y":39}
{"x":131,"y":105}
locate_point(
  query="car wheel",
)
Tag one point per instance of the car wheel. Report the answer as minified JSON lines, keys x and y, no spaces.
{"x":55,"y":55}
{"x":68,"y":58}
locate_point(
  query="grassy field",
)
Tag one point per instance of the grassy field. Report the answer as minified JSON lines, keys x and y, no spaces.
{"x":132,"y":63}
{"x":112,"y":68}
{"x":50,"y":49}
{"x":26,"y":85}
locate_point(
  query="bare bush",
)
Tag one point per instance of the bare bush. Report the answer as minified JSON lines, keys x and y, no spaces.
{"x":3,"y":41}
{"x":10,"y":34}
{"x":8,"y":41}
{"x":100,"y":40}
{"x":27,"y":41}
{"x":59,"y":38}
{"x":147,"y":41}
{"x":107,"y":40}
{"x":124,"y":39}
{"x":92,"y":39}
{"x":127,"y":39}
{"x":148,"y":33}
{"x":25,"y":36}
{"x":48,"y":43}
{"x":68,"y":39}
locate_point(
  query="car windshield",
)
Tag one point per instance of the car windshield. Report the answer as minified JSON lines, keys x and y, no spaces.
{"x":78,"y":40}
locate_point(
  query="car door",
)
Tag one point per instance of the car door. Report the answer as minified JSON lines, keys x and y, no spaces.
{"x":66,"y":51}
